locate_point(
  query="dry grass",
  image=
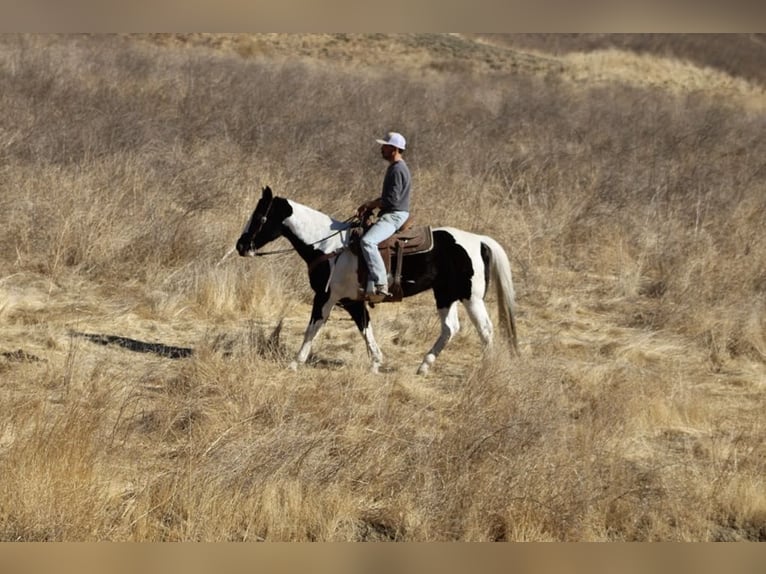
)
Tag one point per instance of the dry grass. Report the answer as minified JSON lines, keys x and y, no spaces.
{"x":144,"y":383}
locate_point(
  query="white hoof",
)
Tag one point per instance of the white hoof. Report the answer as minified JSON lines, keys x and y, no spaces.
{"x":425,"y":366}
{"x":293,"y":366}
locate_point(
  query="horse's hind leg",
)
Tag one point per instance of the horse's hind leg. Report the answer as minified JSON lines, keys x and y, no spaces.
{"x":361,"y":316}
{"x":450,"y":327}
{"x":477,"y":311}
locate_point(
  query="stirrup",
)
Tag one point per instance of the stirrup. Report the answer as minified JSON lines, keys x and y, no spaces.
{"x":382,"y":290}
{"x":377,"y":296}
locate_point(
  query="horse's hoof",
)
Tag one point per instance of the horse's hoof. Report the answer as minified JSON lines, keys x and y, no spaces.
{"x":293,"y":366}
{"x":425,"y":366}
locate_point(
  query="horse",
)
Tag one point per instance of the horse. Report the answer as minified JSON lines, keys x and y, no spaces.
{"x":458,"y":267}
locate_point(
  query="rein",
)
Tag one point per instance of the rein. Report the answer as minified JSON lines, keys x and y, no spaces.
{"x":290,"y":249}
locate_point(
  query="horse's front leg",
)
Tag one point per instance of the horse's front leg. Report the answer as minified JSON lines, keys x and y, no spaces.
{"x":361,"y":316}
{"x":320,"y":312}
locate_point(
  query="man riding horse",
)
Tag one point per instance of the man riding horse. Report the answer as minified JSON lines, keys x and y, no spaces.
{"x":456,"y":265}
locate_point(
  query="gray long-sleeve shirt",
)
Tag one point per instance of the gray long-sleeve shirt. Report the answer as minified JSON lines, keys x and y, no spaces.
{"x":397,"y":184}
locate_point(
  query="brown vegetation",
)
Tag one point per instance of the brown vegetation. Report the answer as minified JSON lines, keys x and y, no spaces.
{"x":144,"y":392}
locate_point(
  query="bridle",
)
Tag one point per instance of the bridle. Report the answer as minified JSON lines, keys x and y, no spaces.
{"x":264,"y":218}
{"x":261,"y":222}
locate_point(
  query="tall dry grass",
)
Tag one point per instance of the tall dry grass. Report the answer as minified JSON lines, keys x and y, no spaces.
{"x":632,"y":216}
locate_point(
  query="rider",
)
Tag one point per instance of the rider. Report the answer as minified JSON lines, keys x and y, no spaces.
{"x":394,"y":209}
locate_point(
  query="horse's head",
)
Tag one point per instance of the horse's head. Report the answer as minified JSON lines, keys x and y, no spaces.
{"x":265,"y":224}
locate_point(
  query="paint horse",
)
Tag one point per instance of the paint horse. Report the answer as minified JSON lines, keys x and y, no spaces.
{"x":459,"y":267}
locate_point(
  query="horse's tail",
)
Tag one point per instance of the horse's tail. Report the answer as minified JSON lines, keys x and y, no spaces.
{"x":500,"y":274}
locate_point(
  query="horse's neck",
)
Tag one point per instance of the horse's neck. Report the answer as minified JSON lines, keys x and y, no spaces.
{"x":314,"y":229}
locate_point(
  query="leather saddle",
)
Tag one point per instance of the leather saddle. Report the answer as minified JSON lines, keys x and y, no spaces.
{"x":407,"y":240}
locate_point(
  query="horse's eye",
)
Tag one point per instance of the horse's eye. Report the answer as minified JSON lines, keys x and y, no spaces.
{"x":263,"y":220}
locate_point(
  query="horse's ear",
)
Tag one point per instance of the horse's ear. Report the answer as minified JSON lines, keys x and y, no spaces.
{"x":267,"y":193}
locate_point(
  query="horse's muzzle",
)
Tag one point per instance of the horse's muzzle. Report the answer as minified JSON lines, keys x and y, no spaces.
{"x":245,"y":248}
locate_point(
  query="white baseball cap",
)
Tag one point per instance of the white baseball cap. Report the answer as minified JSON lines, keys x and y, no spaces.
{"x":395,"y":139}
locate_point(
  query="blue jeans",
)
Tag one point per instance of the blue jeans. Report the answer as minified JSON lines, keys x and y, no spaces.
{"x":384,"y":228}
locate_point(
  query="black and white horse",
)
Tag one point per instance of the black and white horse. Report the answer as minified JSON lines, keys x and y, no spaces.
{"x":457,"y":268}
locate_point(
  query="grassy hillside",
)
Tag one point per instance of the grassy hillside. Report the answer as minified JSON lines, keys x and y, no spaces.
{"x":738,"y":55}
{"x":144,"y":383}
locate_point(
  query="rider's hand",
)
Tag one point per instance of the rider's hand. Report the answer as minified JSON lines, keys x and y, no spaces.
{"x":363,"y":210}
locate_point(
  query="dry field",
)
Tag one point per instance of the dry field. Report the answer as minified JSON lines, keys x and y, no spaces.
{"x":143,"y":383}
